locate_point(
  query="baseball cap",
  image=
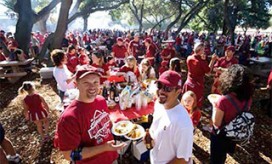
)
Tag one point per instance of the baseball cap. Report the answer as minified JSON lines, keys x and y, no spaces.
{"x":231,"y":48}
{"x":170,"y":78}
{"x":86,"y":70}
{"x":119,"y":39}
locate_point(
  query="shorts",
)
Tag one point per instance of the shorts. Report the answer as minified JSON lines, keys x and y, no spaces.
{"x":2,"y":133}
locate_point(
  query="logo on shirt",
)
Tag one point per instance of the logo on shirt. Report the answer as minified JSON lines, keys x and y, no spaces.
{"x":99,"y":127}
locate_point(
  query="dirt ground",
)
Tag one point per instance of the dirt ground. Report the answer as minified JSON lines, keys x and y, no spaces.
{"x":26,"y":141}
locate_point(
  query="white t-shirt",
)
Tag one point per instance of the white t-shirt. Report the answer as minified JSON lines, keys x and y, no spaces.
{"x":172,"y":131}
{"x":61,"y":75}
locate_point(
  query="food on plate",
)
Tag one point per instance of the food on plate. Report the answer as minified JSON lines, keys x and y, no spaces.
{"x":136,"y":132}
{"x":122,"y":128}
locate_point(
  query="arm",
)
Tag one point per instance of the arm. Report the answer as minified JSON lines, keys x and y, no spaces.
{"x":214,"y":58}
{"x":217,"y":117}
{"x":88,"y":152}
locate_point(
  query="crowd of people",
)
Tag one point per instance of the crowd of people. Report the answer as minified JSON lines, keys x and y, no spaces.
{"x":87,"y":60}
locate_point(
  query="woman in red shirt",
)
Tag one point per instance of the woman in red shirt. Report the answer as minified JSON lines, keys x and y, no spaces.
{"x":130,"y":66}
{"x":235,"y":83}
{"x":150,"y":51}
{"x":221,"y":65}
{"x":72,"y":59}
{"x":98,"y":62}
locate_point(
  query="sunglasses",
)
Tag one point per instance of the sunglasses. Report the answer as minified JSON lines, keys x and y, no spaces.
{"x":164,"y":87}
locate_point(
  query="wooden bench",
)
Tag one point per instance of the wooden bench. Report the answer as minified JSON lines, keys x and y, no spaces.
{"x":13,"y":72}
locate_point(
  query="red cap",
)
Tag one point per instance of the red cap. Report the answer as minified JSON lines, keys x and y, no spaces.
{"x":86,"y":70}
{"x":119,"y":39}
{"x":127,"y":40}
{"x":148,"y":40}
{"x":171,"y":79}
{"x":231,"y":48}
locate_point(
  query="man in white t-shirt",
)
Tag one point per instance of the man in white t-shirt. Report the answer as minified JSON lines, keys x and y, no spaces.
{"x":172,"y":128}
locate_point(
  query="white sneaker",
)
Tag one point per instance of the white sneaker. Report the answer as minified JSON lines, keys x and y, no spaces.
{"x":16,"y":158}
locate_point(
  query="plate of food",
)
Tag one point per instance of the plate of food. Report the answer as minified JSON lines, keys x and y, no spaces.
{"x":122,"y":128}
{"x":213,"y":98}
{"x":136,"y":133}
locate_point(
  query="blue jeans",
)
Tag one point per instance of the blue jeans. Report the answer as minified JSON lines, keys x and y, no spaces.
{"x":61,"y":95}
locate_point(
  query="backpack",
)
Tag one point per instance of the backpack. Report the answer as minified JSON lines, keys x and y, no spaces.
{"x":240,"y":129}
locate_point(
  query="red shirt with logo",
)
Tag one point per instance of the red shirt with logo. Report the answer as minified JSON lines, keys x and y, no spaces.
{"x":86,"y":125}
{"x":119,"y":51}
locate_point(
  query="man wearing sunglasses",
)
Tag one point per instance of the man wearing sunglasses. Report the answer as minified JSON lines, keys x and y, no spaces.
{"x":171,"y":129}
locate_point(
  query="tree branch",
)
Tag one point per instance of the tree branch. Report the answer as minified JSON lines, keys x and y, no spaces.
{"x":46,"y":10}
{"x":92,"y":10}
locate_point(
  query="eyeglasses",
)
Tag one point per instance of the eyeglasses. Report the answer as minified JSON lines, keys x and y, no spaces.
{"x":164,"y":87}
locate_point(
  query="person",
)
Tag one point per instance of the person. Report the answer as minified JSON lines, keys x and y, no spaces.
{"x":197,"y":68}
{"x":119,"y":52}
{"x":235,"y":83}
{"x":130,"y":66}
{"x":150,"y":51}
{"x":175,"y":65}
{"x":100,"y":65}
{"x":168,"y":52}
{"x":61,"y":73}
{"x":221,"y":65}
{"x":90,"y":139}
{"x":146,"y":70}
{"x":134,"y":46}
{"x":83,"y":58}
{"x":72,"y":58}
{"x":7,"y":151}
{"x":163,"y":67}
{"x":171,"y":128}
{"x":189,"y":101}
{"x":35,"y":109}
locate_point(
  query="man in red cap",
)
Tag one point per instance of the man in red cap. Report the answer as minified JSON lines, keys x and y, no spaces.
{"x":172,"y":128}
{"x":119,"y":51}
{"x":83,"y":132}
{"x":221,"y":65}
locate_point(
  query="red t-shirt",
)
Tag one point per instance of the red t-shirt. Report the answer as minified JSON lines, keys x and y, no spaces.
{"x":197,"y":68}
{"x":222,"y":62}
{"x":72,"y":62}
{"x":119,"y":51}
{"x":150,"y":52}
{"x":86,"y":125}
{"x":195,"y":116}
{"x":178,"y":41}
{"x":162,"y":69}
{"x":83,"y":59}
{"x":229,"y":110}
{"x":127,"y":69}
{"x":134,"y":47}
{"x":166,"y":52}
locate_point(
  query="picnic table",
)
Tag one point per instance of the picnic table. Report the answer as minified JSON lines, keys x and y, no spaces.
{"x":16,"y":71}
{"x":261,"y":65}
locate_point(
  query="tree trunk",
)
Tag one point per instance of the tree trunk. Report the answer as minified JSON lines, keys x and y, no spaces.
{"x":24,"y":24}
{"x":225,"y":28}
{"x":62,"y":23}
{"x":226,"y":21}
{"x":42,"y":24}
{"x":175,"y":21}
{"x":85,"y":20}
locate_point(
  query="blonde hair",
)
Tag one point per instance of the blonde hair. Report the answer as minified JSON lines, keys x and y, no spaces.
{"x":191,"y":94}
{"x":26,"y":87}
{"x":132,"y":59}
